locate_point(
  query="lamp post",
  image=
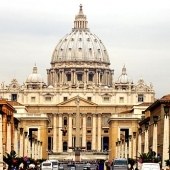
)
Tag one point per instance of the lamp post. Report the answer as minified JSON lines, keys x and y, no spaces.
{"x":155,"y":120}
{"x":166,"y":136}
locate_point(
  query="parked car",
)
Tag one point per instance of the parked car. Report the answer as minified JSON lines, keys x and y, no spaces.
{"x":60,"y":167}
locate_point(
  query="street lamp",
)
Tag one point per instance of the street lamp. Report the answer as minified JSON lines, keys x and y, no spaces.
{"x":146,"y":126}
{"x":21,"y":130}
{"x":166,"y":110}
{"x":134,"y":134}
{"x":130,"y":137}
{"x":155,"y":119}
{"x":140,"y":130}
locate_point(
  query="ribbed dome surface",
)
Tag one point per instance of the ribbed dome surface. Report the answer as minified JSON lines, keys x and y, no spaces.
{"x":124,"y":78}
{"x":34,"y":77}
{"x":80,"y":44}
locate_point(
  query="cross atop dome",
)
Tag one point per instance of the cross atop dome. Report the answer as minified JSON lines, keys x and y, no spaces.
{"x":80,"y":20}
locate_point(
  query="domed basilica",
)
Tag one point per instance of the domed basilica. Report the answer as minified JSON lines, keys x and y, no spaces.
{"x":80,"y":98}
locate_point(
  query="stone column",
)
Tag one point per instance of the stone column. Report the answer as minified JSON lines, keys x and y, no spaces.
{"x":154,"y":148}
{"x":134,"y":145}
{"x":99,"y":133}
{"x":8,"y":136}
{"x":70,"y":131}
{"x":130,"y":146}
{"x":54,"y":133}
{"x":60,"y":141}
{"x":139,"y":145}
{"x":165,"y":140}
{"x":146,"y":141}
{"x":25,"y":144}
{"x":119,"y":144}
{"x":21,"y":142}
{"x":33,"y":148}
{"x":84,"y":131}
{"x":1,"y":143}
{"x":116,"y":151}
{"x":94,"y":132}
{"x":122,"y":149}
{"x":29,"y":147}
{"x":16,"y":140}
{"x":125,"y":149}
{"x":39,"y":150}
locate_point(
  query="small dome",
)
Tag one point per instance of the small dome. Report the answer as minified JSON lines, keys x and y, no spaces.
{"x":50,"y":87}
{"x":34,"y":77}
{"x":124,"y":78}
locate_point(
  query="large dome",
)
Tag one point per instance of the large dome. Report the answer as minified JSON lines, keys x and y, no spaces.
{"x":80,"y":44}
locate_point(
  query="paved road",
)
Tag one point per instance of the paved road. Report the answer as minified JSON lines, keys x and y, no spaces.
{"x":79,"y":166}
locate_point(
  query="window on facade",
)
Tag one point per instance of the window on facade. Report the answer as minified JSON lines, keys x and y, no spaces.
{"x":90,"y":77}
{"x":140,"y":98}
{"x":48,"y":99}
{"x":100,"y":78}
{"x":106,"y":131}
{"x":106,"y":121}
{"x":89,"y":98}
{"x":32,"y":99}
{"x":79,"y":77}
{"x":14,"y":97}
{"x":121,"y":99}
{"x":106,"y":99}
{"x":64,"y":98}
{"x":88,"y":131}
{"x":65,"y":121}
{"x":89,"y":121}
{"x":68,"y":77}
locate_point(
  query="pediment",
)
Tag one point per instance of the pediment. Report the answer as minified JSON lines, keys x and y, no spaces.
{"x":77,"y":100}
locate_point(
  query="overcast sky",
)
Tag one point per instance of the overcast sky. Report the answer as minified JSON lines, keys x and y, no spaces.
{"x":136,"y":34}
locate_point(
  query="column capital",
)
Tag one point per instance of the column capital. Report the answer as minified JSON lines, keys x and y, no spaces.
{"x":99,"y":114}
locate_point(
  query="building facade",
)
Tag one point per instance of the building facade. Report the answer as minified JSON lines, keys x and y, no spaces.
{"x":80,"y":83}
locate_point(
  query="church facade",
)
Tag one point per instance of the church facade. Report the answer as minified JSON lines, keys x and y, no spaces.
{"x":80,"y":83}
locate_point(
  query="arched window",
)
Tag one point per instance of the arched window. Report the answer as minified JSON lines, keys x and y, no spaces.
{"x":88,"y":146}
{"x":89,"y":121}
{"x":65,"y":146}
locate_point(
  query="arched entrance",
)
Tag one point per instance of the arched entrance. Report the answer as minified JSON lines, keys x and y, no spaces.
{"x":88,"y":145}
{"x":65,"y":146}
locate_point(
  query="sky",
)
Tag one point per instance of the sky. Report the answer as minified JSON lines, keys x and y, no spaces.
{"x":136,"y":34}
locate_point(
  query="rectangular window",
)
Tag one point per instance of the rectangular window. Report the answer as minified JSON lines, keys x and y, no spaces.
{"x":48,"y":99}
{"x":106,"y":131}
{"x":106,"y":99}
{"x":121,"y":100}
{"x":14,"y":97}
{"x":88,"y":131}
{"x":68,"y":77}
{"x":32,"y":99}
{"x":64,"y":98}
{"x":79,"y":77}
{"x":90,"y":77}
{"x":89,"y":98}
{"x":140,"y":98}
